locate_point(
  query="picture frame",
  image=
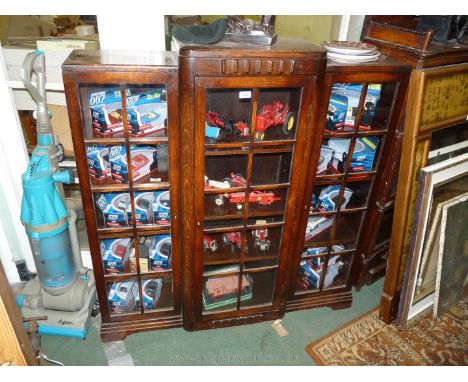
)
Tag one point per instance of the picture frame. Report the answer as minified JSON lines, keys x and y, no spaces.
{"x":448,"y":180}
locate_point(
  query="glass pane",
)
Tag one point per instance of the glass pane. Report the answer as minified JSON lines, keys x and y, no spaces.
{"x":220,"y":292}
{"x":155,"y":253}
{"x":448,"y":143}
{"x":333,"y":156}
{"x":313,"y":251}
{"x":222,"y":247}
{"x":225,"y":205}
{"x":115,"y":254}
{"x":377,"y":107}
{"x":122,"y":296}
{"x":337,"y":271}
{"x":157,"y":293}
{"x":258,"y":288}
{"x":310,"y":273}
{"x":267,"y":201}
{"x":355,"y":195}
{"x":263,"y":241}
{"x":277,"y":114}
{"x":343,"y":106}
{"x":102,"y":112}
{"x":113,"y":209}
{"x":225,"y":171}
{"x":347,"y":228}
{"x":318,"y":229}
{"x":150,"y":163}
{"x":228,"y":115}
{"x":147,"y":110}
{"x":271,"y":168}
{"x":99,"y":167}
{"x":152,"y":207}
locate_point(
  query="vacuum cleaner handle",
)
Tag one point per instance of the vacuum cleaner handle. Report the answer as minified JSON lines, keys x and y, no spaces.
{"x":35,"y":62}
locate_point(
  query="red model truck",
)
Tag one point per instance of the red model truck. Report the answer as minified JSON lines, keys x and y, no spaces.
{"x":273,"y":114}
{"x":260,"y":197}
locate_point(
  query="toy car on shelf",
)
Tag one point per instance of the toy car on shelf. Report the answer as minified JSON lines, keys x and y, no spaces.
{"x":260,"y":197}
{"x":209,"y":243}
{"x":235,"y":180}
{"x":274,"y":114}
{"x":213,"y":119}
{"x":234,"y":239}
{"x":261,"y":241}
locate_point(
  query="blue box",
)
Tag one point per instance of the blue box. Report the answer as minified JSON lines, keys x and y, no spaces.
{"x":122,"y":297}
{"x":151,"y":290}
{"x":144,"y":162}
{"x":144,"y":213}
{"x":336,"y":114}
{"x":364,"y":152}
{"x":115,"y":207}
{"x":106,"y":110}
{"x":160,"y":252}
{"x":115,"y":254}
{"x":98,"y":161}
{"x":147,"y":112}
{"x":353,"y":94}
{"x":329,"y":197}
{"x":162,"y":207}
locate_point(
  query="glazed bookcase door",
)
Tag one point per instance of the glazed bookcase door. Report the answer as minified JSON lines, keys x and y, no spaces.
{"x":248,"y":143}
{"x":127,"y":163}
{"x":355,"y":129}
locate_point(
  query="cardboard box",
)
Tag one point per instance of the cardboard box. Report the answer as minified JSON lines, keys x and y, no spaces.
{"x":148,"y":112}
{"x":115,"y":207}
{"x":162,"y":207}
{"x":151,"y":290}
{"x":144,"y":162}
{"x":115,"y":254}
{"x":122,"y":296}
{"x":144,"y":202}
{"x":98,"y":161}
{"x":160,"y":252}
{"x":106,"y":110}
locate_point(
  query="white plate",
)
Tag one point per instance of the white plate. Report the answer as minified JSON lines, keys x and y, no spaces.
{"x":348,"y":60}
{"x":348,"y":47}
{"x":357,"y":57}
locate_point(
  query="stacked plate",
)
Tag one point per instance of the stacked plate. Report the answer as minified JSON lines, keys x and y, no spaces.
{"x":350,"y":51}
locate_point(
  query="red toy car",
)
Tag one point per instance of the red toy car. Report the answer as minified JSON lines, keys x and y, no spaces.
{"x":236,"y":180}
{"x":272,"y":115}
{"x":233,"y":238}
{"x":214,"y":119}
{"x":240,"y":127}
{"x":209,"y":243}
{"x":263,"y":198}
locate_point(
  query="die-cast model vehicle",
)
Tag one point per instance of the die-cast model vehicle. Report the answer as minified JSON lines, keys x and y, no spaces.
{"x":273,"y":114}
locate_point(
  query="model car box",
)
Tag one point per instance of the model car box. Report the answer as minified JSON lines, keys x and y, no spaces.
{"x":98,"y":161}
{"x":115,"y":254}
{"x":106,"y":110}
{"x":364,"y":152}
{"x":162,"y":207}
{"x":115,"y":207}
{"x":160,"y":252}
{"x":151,"y":290}
{"x":353,"y":93}
{"x":148,"y":112}
{"x":144,"y":213}
{"x":329,"y":195}
{"x":144,"y":161}
{"x":122,"y":296}
{"x":326,"y":156}
{"x":315,"y":225}
{"x":336,"y":114}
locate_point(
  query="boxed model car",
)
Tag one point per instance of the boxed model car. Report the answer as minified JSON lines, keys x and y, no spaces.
{"x":122,"y":296}
{"x":160,"y":252}
{"x":162,"y":207}
{"x":98,"y":161}
{"x":144,"y":161}
{"x":148,"y":112}
{"x":151,"y":290}
{"x":328,"y":198}
{"x":115,"y":254}
{"x":353,"y":93}
{"x":364,"y":152}
{"x":144,"y":213}
{"x":114,"y":207}
{"x":337,"y":109}
{"x":106,"y":110}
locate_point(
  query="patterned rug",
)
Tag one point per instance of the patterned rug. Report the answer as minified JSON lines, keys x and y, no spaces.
{"x":369,"y":341}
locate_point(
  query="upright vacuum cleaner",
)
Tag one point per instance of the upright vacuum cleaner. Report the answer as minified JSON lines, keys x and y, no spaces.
{"x":64,"y":290}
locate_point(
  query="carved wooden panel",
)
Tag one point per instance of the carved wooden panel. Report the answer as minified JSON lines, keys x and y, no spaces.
{"x":257,"y":66}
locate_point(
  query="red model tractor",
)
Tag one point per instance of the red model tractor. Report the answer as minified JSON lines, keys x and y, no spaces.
{"x":240,"y":127}
{"x":209,"y":243}
{"x":263,"y":198}
{"x":234,"y":239}
{"x":273,"y":114}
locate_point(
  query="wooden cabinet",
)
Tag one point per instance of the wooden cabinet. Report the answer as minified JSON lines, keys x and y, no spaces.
{"x":246,"y":119}
{"x":123,"y":110}
{"x":355,"y":134}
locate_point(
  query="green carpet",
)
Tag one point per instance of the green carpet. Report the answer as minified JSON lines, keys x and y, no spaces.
{"x":256,"y":344}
